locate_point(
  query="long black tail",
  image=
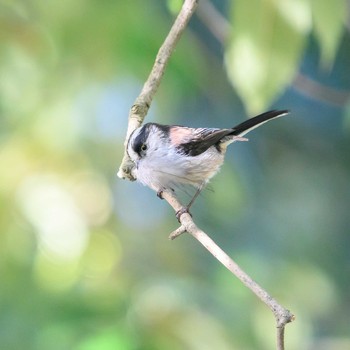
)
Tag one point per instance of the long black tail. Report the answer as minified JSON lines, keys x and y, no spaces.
{"x":252,"y":123}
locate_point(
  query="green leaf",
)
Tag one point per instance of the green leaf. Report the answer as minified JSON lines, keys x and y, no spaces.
{"x":267,"y":40}
{"x":329,"y":17}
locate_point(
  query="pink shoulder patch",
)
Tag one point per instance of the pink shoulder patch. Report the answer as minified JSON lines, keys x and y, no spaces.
{"x":179,"y":135}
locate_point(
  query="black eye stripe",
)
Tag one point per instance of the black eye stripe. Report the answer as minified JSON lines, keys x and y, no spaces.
{"x":139,"y":144}
{"x":141,"y":138}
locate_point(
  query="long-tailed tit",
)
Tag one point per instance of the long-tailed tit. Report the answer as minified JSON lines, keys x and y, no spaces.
{"x":167,"y":156}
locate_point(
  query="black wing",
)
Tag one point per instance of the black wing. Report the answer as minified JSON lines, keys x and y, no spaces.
{"x":202,"y":139}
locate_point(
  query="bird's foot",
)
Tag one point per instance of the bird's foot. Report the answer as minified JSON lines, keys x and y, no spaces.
{"x":160,"y":193}
{"x":183,"y":210}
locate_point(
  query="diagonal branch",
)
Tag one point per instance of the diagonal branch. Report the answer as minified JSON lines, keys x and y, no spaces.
{"x":282,"y":315}
{"x":142,"y":103}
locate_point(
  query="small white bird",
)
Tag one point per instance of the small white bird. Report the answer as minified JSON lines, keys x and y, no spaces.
{"x":167,"y":156}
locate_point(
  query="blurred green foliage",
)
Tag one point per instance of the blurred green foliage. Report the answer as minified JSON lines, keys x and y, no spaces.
{"x":268,"y":39}
{"x":85,"y":262}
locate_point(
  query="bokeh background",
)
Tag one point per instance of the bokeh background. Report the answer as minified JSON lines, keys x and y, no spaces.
{"x":85,"y":262}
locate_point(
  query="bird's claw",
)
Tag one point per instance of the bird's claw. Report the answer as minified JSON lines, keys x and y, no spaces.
{"x":183,"y":210}
{"x":160,"y":192}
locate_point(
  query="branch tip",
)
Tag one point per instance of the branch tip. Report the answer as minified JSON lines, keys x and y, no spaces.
{"x":178,"y":232}
{"x":283,"y":318}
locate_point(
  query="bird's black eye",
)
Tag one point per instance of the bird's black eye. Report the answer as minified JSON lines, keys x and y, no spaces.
{"x":143,"y":147}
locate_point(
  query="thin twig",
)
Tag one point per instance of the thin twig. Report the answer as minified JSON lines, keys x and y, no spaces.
{"x":217,"y":24}
{"x":280,"y":336}
{"x":142,"y":103}
{"x":177,"y":232}
{"x":321,"y":92}
{"x":282,"y":315}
